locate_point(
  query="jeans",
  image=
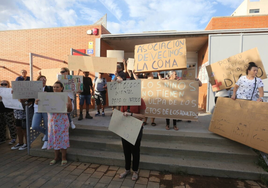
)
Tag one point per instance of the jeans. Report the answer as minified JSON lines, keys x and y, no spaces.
{"x":37,"y":118}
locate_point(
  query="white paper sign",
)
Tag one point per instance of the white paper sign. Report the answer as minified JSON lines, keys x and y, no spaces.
{"x":126,"y":93}
{"x":26,"y":89}
{"x":119,"y":54}
{"x":52,"y":102}
{"x":71,"y":83}
{"x":8,"y":101}
{"x":203,"y":75}
{"x":126,"y":127}
{"x":130,"y":64}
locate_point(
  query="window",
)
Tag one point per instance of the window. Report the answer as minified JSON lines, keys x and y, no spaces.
{"x":254,"y":10}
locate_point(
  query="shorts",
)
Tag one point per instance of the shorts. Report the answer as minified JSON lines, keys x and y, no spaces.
{"x":21,"y":123}
{"x":83,"y":98}
{"x":100,"y":98}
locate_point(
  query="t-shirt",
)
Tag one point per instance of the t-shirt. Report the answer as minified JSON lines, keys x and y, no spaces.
{"x":99,"y":83}
{"x":135,"y":109}
{"x":246,"y":87}
{"x":20,"y":78}
{"x":87,"y":85}
{"x":122,"y":75}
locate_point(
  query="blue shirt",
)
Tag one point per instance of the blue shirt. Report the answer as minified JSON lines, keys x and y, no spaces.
{"x":20,"y":78}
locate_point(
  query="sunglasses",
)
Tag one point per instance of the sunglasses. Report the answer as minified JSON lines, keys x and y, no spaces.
{"x":3,"y":84}
{"x":62,"y":72}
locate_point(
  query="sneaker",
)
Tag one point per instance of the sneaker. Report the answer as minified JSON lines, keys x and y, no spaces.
{"x":80,"y":117}
{"x":23,"y":147}
{"x":17,"y":146}
{"x":97,"y":114}
{"x":88,"y":116}
{"x":73,"y":125}
{"x":44,"y":145}
{"x":12,"y":142}
{"x":103,"y":114}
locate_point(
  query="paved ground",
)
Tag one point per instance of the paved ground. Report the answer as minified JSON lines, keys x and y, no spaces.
{"x":17,"y":169}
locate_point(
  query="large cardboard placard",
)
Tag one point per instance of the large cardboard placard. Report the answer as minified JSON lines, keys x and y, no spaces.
{"x":171,"y":99}
{"x":126,"y":127}
{"x":188,"y":74}
{"x":118,"y":54}
{"x":130,"y":64}
{"x":52,"y":102}
{"x":126,"y":93}
{"x":71,"y":83}
{"x":51,"y":75}
{"x":8,"y":101}
{"x":26,"y":89}
{"x":225,"y":73}
{"x":242,"y":121}
{"x":92,"y":64}
{"x":161,"y":56}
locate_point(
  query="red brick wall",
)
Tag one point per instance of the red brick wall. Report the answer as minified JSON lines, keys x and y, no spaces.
{"x":203,"y":58}
{"x":238,"y":22}
{"x":53,"y":42}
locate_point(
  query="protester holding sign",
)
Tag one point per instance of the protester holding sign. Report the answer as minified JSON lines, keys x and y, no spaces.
{"x":58,"y":130}
{"x":249,"y":87}
{"x":137,"y":112}
{"x":66,"y":71}
{"x":100,"y":86}
{"x":6,"y":119}
{"x":85,"y":95}
{"x":23,"y":76}
{"x":37,"y":118}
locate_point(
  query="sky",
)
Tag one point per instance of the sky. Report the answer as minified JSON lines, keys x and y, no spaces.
{"x":123,"y":16}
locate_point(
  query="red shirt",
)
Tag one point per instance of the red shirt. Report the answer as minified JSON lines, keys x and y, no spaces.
{"x":135,"y":109}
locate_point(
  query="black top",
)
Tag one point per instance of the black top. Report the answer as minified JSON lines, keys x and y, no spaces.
{"x":87,"y":85}
{"x":4,"y":109}
{"x":122,"y":75}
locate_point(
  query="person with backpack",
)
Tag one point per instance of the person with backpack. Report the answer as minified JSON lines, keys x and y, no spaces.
{"x":100,"y":86}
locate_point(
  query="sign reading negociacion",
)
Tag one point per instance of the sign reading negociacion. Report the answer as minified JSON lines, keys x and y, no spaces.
{"x":168,"y":55}
{"x":126,"y":93}
{"x":171,"y":99}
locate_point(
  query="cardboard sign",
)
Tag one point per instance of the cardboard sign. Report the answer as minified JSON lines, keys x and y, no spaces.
{"x":171,"y":99}
{"x":26,"y":89}
{"x":71,"y":83}
{"x":52,"y":102}
{"x":126,"y":93}
{"x":161,"y":56}
{"x":119,"y":54}
{"x":92,"y":64}
{"x":242,"y":121}
{"x":126,"y":127}
{"x":130,"y":64}
{"x":8,"y":101}
{"x":51,"y":75}
{"x":225,"y":73}
{"x":188,"y":74}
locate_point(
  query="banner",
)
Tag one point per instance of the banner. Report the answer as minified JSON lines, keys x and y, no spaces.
{"x":225,"y":73}
{"x":242,"y":121}
{"x":188,"y":74}
{"x":126,"y":127}
{"x":130,"y":64}
{"x":52,"y":102}
{"x":26,"y":89}
{"x":51,"y":75}
{"x":8,"y":101}
{"x":126,"y":93}
{"x":71,"y":83}
{"x":161,"y":56}
{"x":118,"y":54}
{"x":92,"y":64}
{"x":171,"y":98}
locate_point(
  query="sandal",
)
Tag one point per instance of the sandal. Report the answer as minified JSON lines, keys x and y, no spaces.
{"x":153,"y":124}
{"x":63,"y":162}
{"x":175,"y":127}
{"x":144,"y":123}
{"x":124,"y":174}
{"x":135,"y":176}
{"x":167,"y":127}
{"x":53,"y":162}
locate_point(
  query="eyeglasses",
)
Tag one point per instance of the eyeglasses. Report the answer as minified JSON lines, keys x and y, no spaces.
{"x":3,"y":84}
{"x":62,"y":72}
